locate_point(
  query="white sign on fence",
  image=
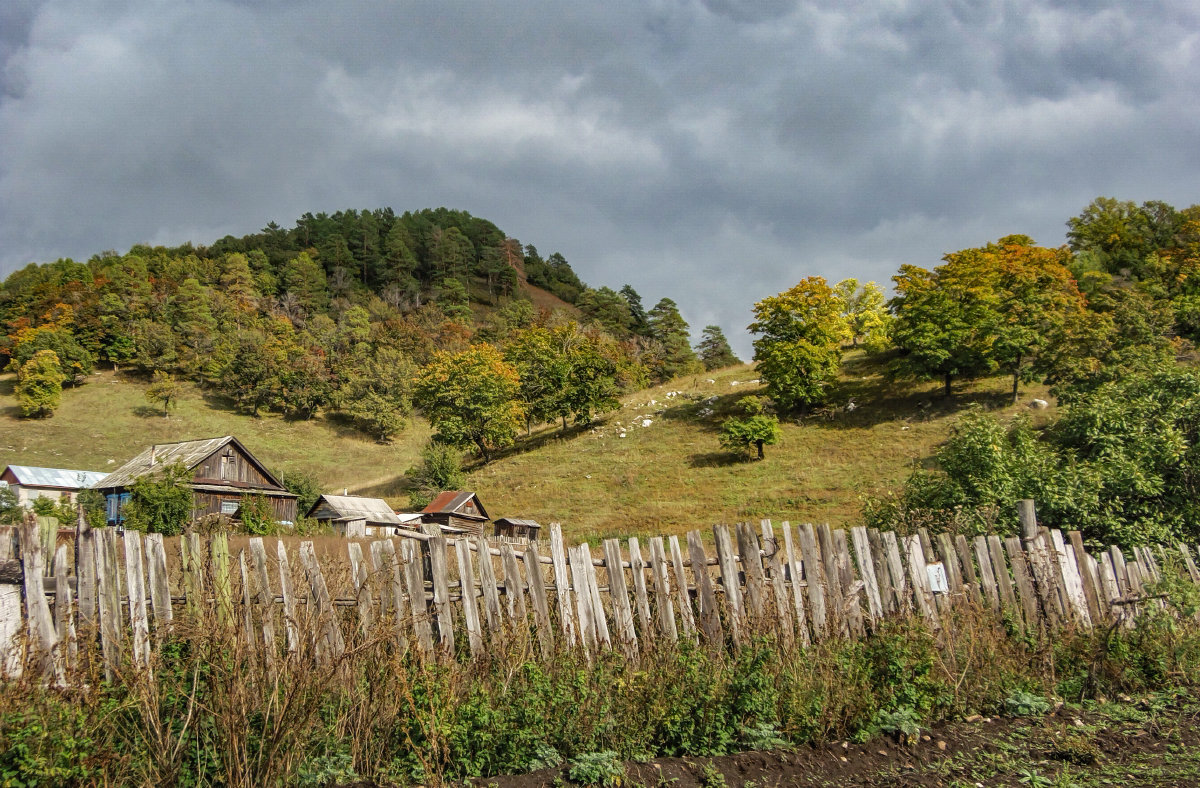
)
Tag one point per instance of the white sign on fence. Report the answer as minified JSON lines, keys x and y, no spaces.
{"x":937,"y":578}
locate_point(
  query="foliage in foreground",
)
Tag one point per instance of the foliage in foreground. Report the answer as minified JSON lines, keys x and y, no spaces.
{"x":212,"y":715}
{"x":1121,"y":465}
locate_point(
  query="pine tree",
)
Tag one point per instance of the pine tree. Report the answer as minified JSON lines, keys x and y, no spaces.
{"x":669,"y":328}
{"x":714,"y":350}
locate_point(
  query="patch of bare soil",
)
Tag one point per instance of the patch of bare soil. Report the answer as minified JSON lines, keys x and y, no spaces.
{"x":1134,"y":746}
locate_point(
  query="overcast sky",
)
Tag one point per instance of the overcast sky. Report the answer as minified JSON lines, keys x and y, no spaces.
{"x":716,"y":152}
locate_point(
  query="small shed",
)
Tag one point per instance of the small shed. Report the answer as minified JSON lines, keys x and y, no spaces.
{"x":457,"y":511}
{"x":517,"y":529}
{"x":351,"y":515}
{"x":30,"y":483}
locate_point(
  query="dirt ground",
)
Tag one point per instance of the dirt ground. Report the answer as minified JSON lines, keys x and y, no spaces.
{"x":1152,"y":742}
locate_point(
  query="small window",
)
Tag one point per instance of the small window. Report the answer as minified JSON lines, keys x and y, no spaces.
{"x":229,"y":506}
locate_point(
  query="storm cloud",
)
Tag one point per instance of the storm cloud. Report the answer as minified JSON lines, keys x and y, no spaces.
{"x":712,"y":151}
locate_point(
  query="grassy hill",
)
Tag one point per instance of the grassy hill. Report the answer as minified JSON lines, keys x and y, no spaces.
{"x":614,"y":478}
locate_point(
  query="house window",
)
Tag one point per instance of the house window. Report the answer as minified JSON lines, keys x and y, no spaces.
{"x":229,"y":506}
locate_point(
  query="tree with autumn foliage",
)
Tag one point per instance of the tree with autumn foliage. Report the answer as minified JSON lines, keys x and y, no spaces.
{"x":799,"y":349}
{"x":945,"y":320}
{"x":472,"y":398}
{"x":39,"y":385}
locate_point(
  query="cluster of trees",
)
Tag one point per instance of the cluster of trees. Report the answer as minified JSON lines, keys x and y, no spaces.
{"x":1120,"y":297}
{"x":338,"y":314}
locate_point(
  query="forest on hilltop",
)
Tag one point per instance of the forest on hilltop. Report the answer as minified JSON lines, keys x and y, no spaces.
{"x":339,"y":314}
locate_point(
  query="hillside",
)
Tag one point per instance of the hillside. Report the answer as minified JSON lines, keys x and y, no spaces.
{"x":667,"y":477}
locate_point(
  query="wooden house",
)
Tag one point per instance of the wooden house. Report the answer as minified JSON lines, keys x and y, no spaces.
{"x":516,"y":529}
{"x":350,"y":515}
{"x":457,"y":512}
{"x":30,"y":483}
{"x":223,"y":473}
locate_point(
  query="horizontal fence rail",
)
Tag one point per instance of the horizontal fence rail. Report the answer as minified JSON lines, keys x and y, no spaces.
{"x":116,"y":597}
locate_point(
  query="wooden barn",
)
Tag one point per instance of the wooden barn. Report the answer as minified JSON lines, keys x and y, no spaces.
{"x":516,"y":529}
{"x":350,"y":515}
{"x":223,"y":473}
{"x":457,"y":512}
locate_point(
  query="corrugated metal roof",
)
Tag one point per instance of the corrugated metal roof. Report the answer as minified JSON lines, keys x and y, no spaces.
{"x":189,"y":453}
{"x":55,"y":477}
{"x":518,"y":521}
{"x":450,"y":501}
{"x":374,"y":510}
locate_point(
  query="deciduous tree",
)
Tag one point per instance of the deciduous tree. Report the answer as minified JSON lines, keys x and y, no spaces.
{"x":472,"y":398}
{"x":799,"y":345}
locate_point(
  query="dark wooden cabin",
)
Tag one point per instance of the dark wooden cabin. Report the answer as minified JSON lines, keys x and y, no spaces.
{"x":223,"y":473}
{"x":457,"y":512}
{"x":516,"y":529}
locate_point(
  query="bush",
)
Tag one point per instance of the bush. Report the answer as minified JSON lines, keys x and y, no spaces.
{"x":160,"y":502}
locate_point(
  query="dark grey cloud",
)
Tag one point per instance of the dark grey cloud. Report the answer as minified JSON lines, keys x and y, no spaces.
{"x":713,"y":151}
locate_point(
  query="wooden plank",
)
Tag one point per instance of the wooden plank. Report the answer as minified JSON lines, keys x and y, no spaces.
{"x":835,"y":605}
{"x":686,"y":618}
{"x":11,"y":621}
{"x":387,"y":565}
{"x":1008,"y":599}
{"x":706,"y":597}
{"x":970,"y":579}
{"x":730,"y":582}
{"x":637,"y":568}
{"x":619,"y":593}
{"x":537,"y":593}
{"x":289,"y":599}
{"x":218,"y":546}
{"x":1037,"y":554}
{"x":1091,"y":583}
{"x":469,"y":594}
{"x":514,"y":588}
{"x":247,"y":608}
{"x":752,"y":569}
{"x":1119,"y":573}
{"x":900,"y":585}
{"x":851,"y":585}
{"x":365,"y":600}
{"x":108,"y":601}
{"x":191,"y":560}
{"x":1023,"y":581}
{"x":814,"y":579}
{"x":1072,"y":582}
{"x":866,"y":570}
{"x":330,"y":643}
{"x":1101,"y":594}
{"x":160,"y":591}
{"x":944,"y":544}
{"x":776,"y":575}
{"x":795,"y":578}
{"x":489,"y":586}
{"x":662,"y":590}
{"x":85,"y":571}
{"x":440,"y":572}
{"x":887,"y":598}
{"x":414,"y":578}
{"x":583,"y":600}
{"x":562,"y":584}
{"x":64,"y":607}
{"x":987,"y":578}
{"x":1108,"y":582}
{"x":136,"y":586}
{"x":265,"y":599}
{"x":919,"y":578}
{"x":599,"y":619}
{"x":1188,"y":562}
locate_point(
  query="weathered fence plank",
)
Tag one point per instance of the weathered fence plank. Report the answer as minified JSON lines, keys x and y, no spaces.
{"x":637,"y":568}
{"x":1000,"y":574}
{"x":435,"y":548}
{"x":619,"y":593}
{"x":583,"y":600}
{"x":562,"y":584}
{"x":776,"y":578}
{"x":795,"y":575}
{"x":289,"y":600}
{"x":987,"y":578}
{"x":330,"y":643}
{"x":414,"y":577}
{"x":537,"y":593}
{"x":866,"y":570}
{"x":64,"y":608}
{"x":388,"y":565}
{"x":362,"y":589}
{"x":598,"y":617}
{"x":470,"y":604}
{"x":710,"y":618}
{"x":730,"y":583}
{"x":686,"y":617}
{"x":43,"y":640}
{"x":814,"y":577}
{"x":160,"y":590}
{"x":919,"y":576}
{"x":662,"y":590}
{"x":489,"y":585}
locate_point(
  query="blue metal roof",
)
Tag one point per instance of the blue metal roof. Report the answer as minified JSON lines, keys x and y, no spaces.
{"x":54,"y":477}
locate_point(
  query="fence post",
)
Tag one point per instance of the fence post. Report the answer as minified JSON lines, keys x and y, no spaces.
{"x":43,"y":640}
{"x":85,"y":571}
{"x":537,"y":592}
{"x":710,"y":617}
{"x":562,"y":584}
{"x":687,"y":619}
{"x":441,"y":586}
{"x":136,"y":587}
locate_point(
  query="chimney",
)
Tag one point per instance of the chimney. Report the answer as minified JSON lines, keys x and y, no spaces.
{"x":345,"y":491}
{"x":153,"y":452}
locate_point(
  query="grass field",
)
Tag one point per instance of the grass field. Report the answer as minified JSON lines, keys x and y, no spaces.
{"x":667,"y":477}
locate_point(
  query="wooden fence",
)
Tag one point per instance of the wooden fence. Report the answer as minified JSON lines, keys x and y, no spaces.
{"x":457,"y":598}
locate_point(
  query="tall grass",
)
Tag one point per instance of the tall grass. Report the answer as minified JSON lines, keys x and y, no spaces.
{"x":212,"y":709}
